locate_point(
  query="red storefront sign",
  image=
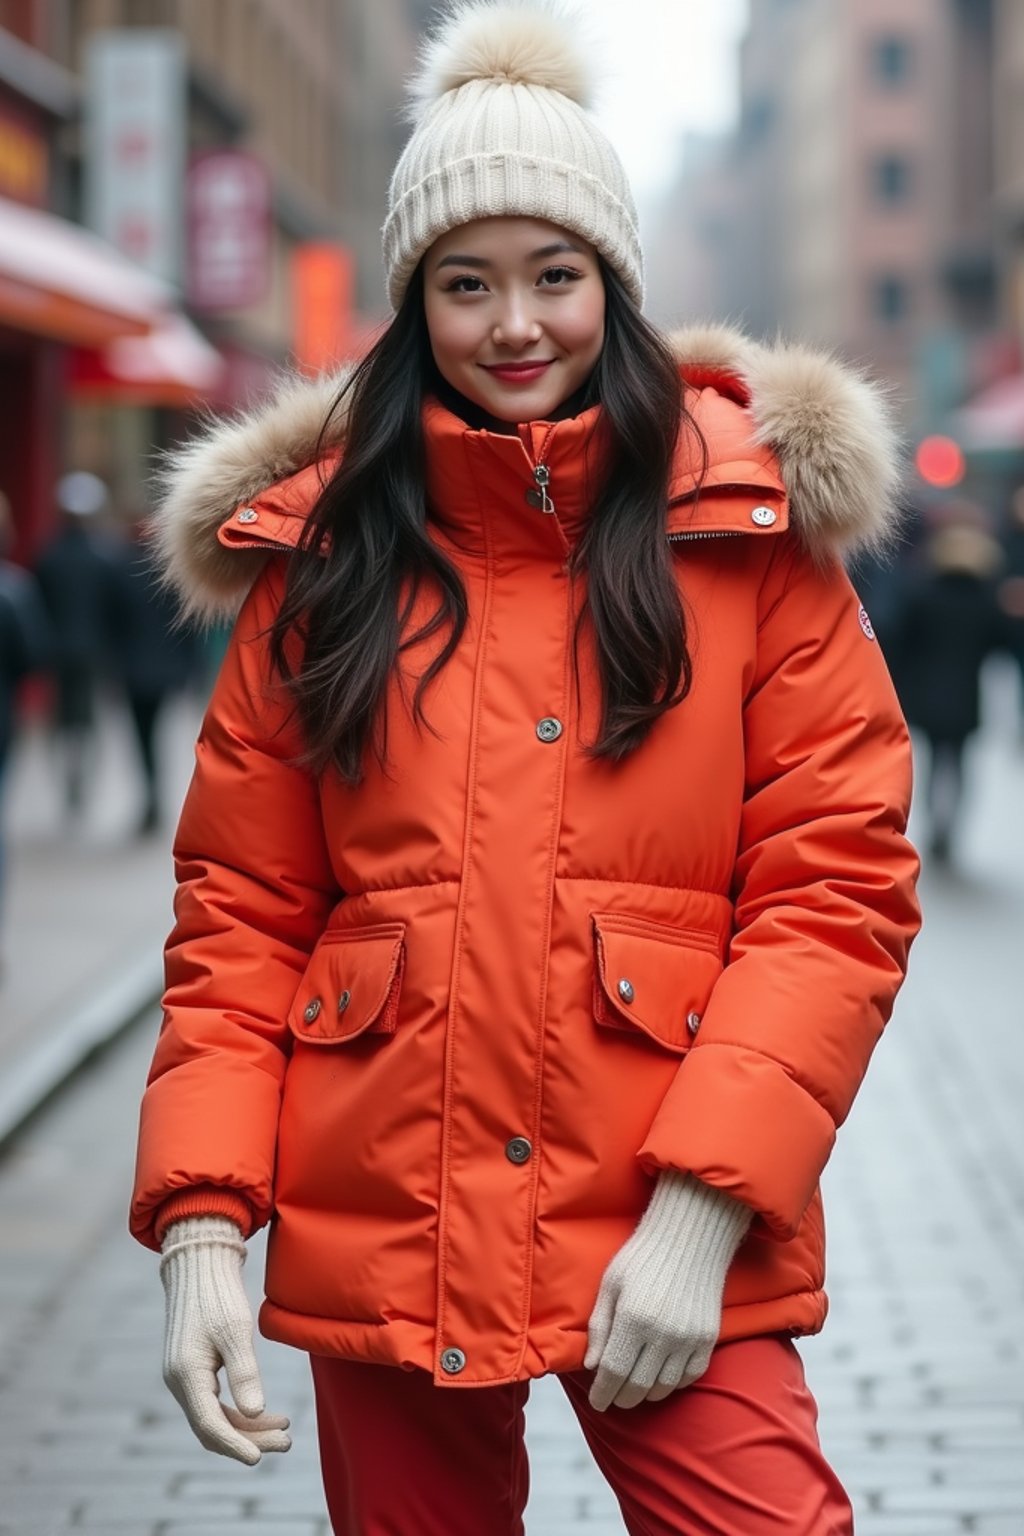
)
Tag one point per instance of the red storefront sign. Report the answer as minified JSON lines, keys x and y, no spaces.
{"x":228,"y":228}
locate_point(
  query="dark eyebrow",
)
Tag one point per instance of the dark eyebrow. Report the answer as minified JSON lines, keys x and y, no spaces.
{"x":559,"y":248}
{"x":462,"y":261}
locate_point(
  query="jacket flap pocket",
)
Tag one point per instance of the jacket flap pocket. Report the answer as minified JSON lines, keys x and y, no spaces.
{"x":351,"y":985}
{"x":652,"y":977}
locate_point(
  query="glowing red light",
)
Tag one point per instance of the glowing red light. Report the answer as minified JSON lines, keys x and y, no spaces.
{"x":940,"y":461}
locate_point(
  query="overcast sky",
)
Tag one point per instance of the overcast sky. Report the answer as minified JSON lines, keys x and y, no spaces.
{"x":672,"y":66}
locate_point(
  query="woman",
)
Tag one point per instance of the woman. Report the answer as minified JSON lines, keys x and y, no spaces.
{"x":543,"y":886}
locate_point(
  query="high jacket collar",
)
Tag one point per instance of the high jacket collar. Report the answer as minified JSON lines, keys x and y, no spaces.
{"x":484,"y":487}
{"x":801,"y":439}
{"x":532,"y":491}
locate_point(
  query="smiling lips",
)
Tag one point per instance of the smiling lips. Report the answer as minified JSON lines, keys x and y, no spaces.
{"x":518,"y":373}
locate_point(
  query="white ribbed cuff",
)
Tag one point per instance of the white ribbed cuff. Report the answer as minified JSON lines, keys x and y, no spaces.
{"x":691,"y":1230}
{"x":214,"y":1232}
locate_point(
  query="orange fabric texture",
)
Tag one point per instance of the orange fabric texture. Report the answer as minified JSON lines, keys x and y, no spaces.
{"x":737,"y":1451}
{"x":445,"y":1028}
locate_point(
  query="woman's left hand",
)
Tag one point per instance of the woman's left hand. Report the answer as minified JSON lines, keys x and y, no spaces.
{"x":659,"y":1306}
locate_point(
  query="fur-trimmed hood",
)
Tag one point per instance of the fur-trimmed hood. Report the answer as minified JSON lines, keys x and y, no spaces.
{"x":830,"y":429}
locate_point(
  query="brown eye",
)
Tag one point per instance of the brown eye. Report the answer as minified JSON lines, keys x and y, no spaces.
{"x":560,"y":277}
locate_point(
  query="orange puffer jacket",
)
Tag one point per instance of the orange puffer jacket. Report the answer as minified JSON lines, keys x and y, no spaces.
{"x":443,"y":1030}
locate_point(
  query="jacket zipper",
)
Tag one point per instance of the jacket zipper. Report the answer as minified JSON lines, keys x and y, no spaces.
{"x":542,"y":475}
{"x":725,"y":533}
{"x":287,"y":549}
{"x":542,"y":498}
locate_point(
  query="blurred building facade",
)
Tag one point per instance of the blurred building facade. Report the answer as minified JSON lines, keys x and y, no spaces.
{"x":853,"y":205}
{"x":37,"y":100}
{"x":693,"y":258}
{"x":298,"y":97}
{"x":311,"y":85}
{"x":1008,"y":156}
{"x":969,"y":264}
{"x":379,"y":49}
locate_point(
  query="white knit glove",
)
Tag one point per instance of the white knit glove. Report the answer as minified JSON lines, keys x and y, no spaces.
{"x":209,"y":1324}
{"x":659,"y":1306}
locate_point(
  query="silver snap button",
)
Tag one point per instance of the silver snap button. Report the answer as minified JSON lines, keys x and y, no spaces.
{"x":311,"y":1010}
{"x":518,"y":1150}
{"x":248,"y":515}
{"x":626,"y":991}
{"x":764,"y":516}
{"x":549,"y":729}
{"x":344,"y":1000}
{"x":693,"y":1022}
{"x":452,"y":1361}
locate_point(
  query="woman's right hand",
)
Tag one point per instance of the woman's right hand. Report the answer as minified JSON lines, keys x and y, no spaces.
{"x":209,"y":1323}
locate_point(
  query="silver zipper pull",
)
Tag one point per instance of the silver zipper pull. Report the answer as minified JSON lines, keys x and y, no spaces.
{"x":542,"y":475}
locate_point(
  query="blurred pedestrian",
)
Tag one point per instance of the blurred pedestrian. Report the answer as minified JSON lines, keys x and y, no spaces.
{"x":24,"y":649}
{"x":75,"y":572}
{"x":153,"y":657}
{"x":949,"y":625}
{"x":543,"y":885}
{"x":1011,"y":588}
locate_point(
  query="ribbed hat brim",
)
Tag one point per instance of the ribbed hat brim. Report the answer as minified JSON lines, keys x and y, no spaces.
{"x":508,"y":185}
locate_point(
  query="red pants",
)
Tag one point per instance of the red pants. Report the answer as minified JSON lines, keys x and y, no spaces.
{"x":736,"y":1454}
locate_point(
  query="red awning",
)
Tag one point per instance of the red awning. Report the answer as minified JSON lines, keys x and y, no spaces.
{"x":994,"y":418}
{"x":173,"y":366}
{"x":61,"y":281}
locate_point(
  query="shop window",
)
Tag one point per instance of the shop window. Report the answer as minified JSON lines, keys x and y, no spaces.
{"x":758,"y":118}
{"x":891,"y":179}
{"x":891,"y":60}
{"x":890,"y":298}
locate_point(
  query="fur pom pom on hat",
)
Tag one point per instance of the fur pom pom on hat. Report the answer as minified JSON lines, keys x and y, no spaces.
{"x":501,"y":129}
{"x":520,"y":44}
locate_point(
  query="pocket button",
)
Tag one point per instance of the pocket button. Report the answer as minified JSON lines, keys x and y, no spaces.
{"x":344,"y":1000}
{"x":693,"y":1022}
{"x":311,"y":1010}
{"x":626,"y":990}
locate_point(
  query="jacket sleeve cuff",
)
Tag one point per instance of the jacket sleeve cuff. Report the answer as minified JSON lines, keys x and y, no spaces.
{"x":204,"y":1200}
{"x":738,"y":1121}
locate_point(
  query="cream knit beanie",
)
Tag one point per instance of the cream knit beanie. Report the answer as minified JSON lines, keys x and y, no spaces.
{"x":501,"y":129}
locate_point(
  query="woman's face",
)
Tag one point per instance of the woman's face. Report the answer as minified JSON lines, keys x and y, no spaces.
{"x":515,"y":312}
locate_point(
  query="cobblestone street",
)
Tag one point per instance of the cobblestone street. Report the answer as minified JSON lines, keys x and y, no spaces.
{"x":919,"y":1373}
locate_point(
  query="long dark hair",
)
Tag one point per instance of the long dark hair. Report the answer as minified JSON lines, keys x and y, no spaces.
{"x":367,"y":535}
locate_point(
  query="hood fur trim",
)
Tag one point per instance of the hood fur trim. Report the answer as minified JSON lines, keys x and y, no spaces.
{"x":830,"y":428}
{"x":227,"y":464}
